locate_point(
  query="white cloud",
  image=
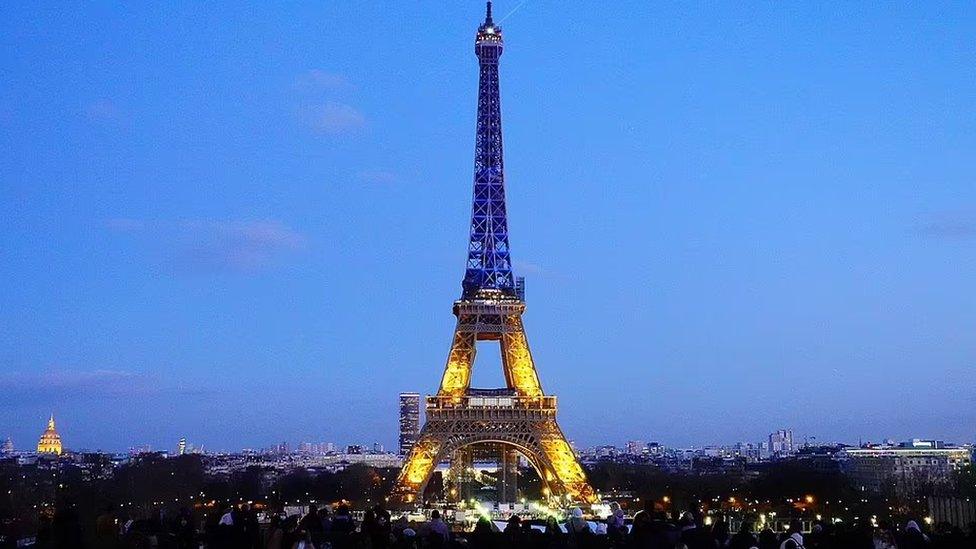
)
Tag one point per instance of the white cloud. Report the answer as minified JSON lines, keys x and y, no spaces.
{"x":215,"y":245}
{"x":318,"y":80}
{"x":950,"y":225}
{"x":60,"y":385}
{"x":332,"y":118}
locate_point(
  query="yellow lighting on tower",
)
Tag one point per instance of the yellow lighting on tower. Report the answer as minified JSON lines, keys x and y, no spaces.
{"x":50,"y":442}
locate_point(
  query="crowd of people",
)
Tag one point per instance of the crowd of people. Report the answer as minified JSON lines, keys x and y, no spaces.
{"x":656,"y":530}
{"x":239,"y":527}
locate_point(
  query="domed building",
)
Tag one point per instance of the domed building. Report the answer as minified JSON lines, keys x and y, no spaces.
{"x":50,"y":442}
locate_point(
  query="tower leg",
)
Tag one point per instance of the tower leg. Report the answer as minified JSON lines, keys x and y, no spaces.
{"x":520,"y":372}
{"x":561,"y":459}
{"x":418,"y":467}
{"x":457,"y":372}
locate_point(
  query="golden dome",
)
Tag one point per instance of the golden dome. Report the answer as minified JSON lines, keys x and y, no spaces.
{"x":50,"y":442}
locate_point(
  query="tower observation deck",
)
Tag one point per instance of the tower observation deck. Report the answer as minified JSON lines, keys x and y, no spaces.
{"x":520,"y":417}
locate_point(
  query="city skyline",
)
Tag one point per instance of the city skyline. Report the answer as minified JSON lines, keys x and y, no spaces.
{"x":798,"y":224}
{"x":318,"y":444}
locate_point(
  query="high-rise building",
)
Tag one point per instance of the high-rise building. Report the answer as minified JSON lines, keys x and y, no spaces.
{"x":50,"y":442}
{"x":781,"y":442}
{"x":635,"y":447}
{"x":181,"y":447}
{"x":7,"y":448}
{"x":409,"y":421}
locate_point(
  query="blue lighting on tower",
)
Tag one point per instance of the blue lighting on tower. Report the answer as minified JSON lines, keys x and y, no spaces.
{"x":489,"y":266}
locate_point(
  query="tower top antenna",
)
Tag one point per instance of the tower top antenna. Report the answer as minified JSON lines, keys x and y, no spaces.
{"x":488,"y":20}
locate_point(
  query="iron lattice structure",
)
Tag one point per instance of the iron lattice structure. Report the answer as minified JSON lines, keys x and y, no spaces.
{"x":520,"y":416}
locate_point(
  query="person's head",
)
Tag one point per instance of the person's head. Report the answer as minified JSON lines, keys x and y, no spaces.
{"x":796,"y":527}
{"x":343,"y":510}
{"x":514,"y":520}
{"x":746,"y":527}
{"x":435,"y":514}
{"x":912,"y":525}
{"x":576,"y":513}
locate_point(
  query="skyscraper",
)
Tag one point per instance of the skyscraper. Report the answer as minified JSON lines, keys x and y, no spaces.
{"x":409,"y":421}
{"x":781,"y":442}
{"x":636,"y":447}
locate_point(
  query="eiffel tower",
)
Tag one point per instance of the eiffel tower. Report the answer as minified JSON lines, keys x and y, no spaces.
{"x":519,"y":417}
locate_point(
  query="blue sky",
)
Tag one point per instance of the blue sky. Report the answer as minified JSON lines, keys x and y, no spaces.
{"x":244,"y":224}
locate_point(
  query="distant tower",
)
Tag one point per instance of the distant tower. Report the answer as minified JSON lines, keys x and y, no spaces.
{"x":517,"y":418}
{"x":409,"y":421}
{"x":7,"y":448}
{"x":181,"y":447}
{"x":50,"y":442}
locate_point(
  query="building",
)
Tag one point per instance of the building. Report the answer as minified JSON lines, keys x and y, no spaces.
{"x":904,"y":470}
{"x":409,"y":421}
{"x":636,"y":447}
{"x":781,"y":443}
{"x":181,"y":447}
{"x":316,"y":448}
{"x":50,"y":442}
{"x":7,"y":448}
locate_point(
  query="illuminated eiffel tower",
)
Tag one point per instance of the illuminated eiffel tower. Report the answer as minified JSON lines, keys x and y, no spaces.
{"x":520,"y":417}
